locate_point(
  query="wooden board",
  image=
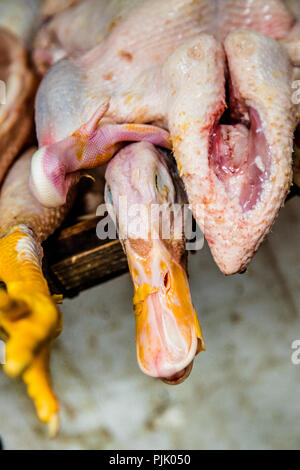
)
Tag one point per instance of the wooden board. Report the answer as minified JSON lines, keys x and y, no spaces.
{"x":75,"y":259}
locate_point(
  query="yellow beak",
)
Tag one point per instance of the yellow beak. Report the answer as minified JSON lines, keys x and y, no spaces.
{"x":168,"y":333}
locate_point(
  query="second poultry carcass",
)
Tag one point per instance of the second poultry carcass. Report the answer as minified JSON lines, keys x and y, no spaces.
{"x":29,"y":317}
{"x":16,"y":101}
{"x":167,"y":330}
{"x":236,"y":166}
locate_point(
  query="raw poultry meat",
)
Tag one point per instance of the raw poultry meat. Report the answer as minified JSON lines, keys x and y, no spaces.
{"x":59,"y":37}
{"x":236,"y":166}
{"x":95,"y":19}
{"x":167,"y":330}
{"x":16,"y":109}
{"x":29,"y":317}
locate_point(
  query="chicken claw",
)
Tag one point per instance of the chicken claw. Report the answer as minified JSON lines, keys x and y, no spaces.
{"x":27,"y":312}
{"x":29,"y":317}
{"x":39,"y":388}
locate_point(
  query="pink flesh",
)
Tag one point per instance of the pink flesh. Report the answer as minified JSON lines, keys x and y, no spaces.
{"x":234,"y":150}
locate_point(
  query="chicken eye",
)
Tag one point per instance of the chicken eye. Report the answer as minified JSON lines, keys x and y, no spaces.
{"x":167,"y":282}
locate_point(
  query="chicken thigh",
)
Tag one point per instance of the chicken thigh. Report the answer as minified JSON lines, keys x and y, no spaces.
{"x":236,"y":166}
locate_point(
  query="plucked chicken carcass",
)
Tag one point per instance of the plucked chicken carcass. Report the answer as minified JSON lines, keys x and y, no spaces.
{"x":167,"y":330}
{"x":96,"y":18}
{"x":29,"y":317}
{"x":236,"y":166}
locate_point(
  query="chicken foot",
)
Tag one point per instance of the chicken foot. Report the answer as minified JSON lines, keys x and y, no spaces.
{"x":29,"y":317}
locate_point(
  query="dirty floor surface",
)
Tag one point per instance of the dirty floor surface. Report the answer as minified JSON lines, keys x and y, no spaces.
{"x":243,"y":392}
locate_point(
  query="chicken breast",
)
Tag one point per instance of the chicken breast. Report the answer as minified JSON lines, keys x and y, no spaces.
{"x":79,"y":28}
{"x":236,"y":174}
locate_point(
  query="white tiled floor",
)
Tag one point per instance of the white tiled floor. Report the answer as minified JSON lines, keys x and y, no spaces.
{"x":243,"y":393}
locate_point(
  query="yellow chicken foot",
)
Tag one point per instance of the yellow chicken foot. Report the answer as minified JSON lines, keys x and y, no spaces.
{"x":27,"y":312}
{"x":29,"y":317}
{"x":39,"y":388}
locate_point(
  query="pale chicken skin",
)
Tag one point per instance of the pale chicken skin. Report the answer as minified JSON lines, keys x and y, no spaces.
{"x":181,"y":88}
{"x":168,"y":334}
{"x":29,"y":317}
{"x":96,"y":18}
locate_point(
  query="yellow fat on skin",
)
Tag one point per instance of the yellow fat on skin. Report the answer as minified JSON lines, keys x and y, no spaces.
{"x":29,"y":319}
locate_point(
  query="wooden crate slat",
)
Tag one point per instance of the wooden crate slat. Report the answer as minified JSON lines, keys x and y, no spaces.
{"x":75,"y":259}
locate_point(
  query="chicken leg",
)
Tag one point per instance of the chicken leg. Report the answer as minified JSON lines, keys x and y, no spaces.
{"x":29,"y":317}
